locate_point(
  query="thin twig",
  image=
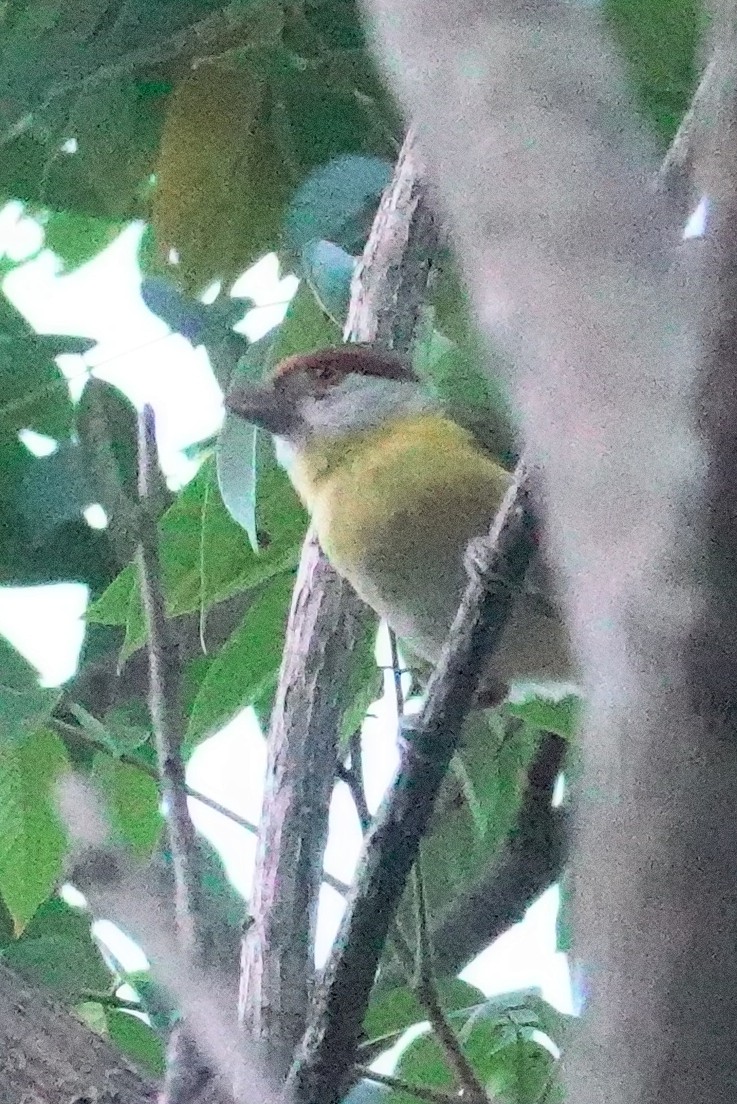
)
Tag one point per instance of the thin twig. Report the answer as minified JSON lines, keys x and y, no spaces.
{"x":185,"y":1071}
{"x":427,"y":991}
{"x":110,"y":1000}
{"x":164,"y":692}
{"x":422,"y":1092}
{"x":82,"y":736}
{"x":396,"y":673}
{"x":353,"y":778}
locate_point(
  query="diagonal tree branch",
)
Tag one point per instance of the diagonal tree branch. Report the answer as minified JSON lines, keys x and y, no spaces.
{"x":329,"y":1047}
{"x":326,"y":621}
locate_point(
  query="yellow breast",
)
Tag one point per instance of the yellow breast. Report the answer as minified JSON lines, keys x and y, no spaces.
{"x":394,"y":509}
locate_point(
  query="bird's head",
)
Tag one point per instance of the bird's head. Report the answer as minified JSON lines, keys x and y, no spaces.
{"x":330,"y":394}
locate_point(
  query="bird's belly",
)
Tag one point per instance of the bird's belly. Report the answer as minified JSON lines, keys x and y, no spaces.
{"x":407,"y":563}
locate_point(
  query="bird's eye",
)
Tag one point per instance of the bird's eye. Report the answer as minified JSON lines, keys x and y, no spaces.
{"x":327,"y":374}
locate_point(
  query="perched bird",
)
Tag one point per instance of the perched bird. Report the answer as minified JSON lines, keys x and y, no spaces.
{"x":396,"y":489}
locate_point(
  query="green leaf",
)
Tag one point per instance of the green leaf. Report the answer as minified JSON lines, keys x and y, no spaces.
{"x":138,"y":1040}
{"x":658,"y":38}
{"x":422,"y":1063}
{"x":502,"y":1048}
{"x":336,"y":201}
{"x":128,"y":727}
{"x":477,"y":806}
{"x":92,"y":1013}
{"x":77,"y":238}
{"x":237,"y":447}
{"x":522,"y":1008}
{"x":112,"y":607}
{"x":155,"y":1000}
{"x":33,"y":843}
{"x":107,"y":426}
{"x":236,"y":469}
{"x":24,"y":705}
{"x":561,"y":717}
{"x":394,"y":1010}
{"x":305,"y":327}
{"x":116,"y":130}
{"x":328,"y":270}
{"x":512,"y":1064}
{"x":248,"y":661}
{"x":363,"y":685}
{"x":205,"y":555}
{"x":33,"y":391}
{"x":57,"y":950}
{"x":56,"y":490}
{"x":132,"y":801}
{"x":459,"y":375}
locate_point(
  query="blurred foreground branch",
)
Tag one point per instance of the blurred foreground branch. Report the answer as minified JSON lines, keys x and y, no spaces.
{"x":544,"y":174}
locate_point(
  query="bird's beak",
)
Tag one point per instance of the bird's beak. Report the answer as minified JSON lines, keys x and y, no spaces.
{"x":264,"y":406}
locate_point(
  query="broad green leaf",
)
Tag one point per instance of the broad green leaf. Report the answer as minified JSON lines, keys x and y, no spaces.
{"x":324,"y":122}
{"x":521,"y":1009}
{"x":33,"y":391}
{"x":659,"y":38}
{"x":93,"y":1014}
{"x":305,"y":328}
{"x":328,"y":270}
{"x":58,"y":951}
{"x":394,"y":1010}
{"x":112,"y":607}
{"x":132,"y":801}
{"x":24,"y":705}
{"x":116,"y":130}
{"x":56,"y":490}
{"x":77,"y":238}
{"x":206,"y":557}
{"x":249,"y":660}
{"x":107,"y":426}
{"x":523,"y":1073}
{"x":561,"y":717}
{"x":236,"y":469}
{"x":33,"y":842}
{"x":137,"y":1040}
{"x":364,"y":683}
{"x":135,"y":622}
{"x":336,"y":201}
{"x":128,"y":727}
{"x":459,"y":375}
{"x":422,"y":1063}
{"x":477,"y":806}
{"x":503,"y":1050}
{"x":155,"y":1000}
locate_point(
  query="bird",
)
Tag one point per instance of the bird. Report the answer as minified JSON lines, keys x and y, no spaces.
{"x":396,"y":489}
